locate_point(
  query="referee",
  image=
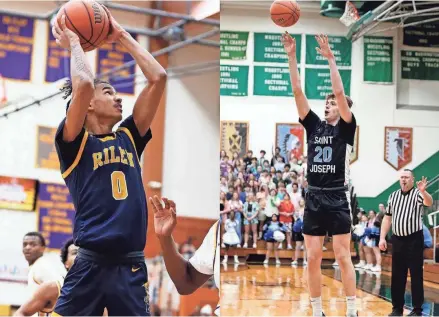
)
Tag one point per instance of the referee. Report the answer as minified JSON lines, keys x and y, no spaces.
{"x":404,"y":213}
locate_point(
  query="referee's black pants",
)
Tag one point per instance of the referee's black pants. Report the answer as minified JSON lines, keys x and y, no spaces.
{"x":408,"y":253}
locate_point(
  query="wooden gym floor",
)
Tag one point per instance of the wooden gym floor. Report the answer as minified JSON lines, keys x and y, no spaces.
{"x":257,"y":290}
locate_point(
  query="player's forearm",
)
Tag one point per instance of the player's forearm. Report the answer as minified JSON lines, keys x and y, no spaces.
{"x":337,"y":83}
{"x":80,"y":69}
{"x":152,"y":69}
{"x":177,"y":266}
{"x":385,"y":226}
{"x":428,"y":200}
{"x":294,"y":74}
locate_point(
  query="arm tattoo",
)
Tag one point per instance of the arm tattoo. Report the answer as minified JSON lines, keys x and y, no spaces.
{"x":79,"y":66}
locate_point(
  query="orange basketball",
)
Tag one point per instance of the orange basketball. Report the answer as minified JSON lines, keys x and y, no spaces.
{"x":88,"y":19}
{"x":285,"y":13}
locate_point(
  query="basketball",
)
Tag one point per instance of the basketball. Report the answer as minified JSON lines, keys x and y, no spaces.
{"x":285,"y":13}
{"x":88,"y":20}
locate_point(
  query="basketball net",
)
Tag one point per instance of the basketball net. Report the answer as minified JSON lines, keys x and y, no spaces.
{"x":3,"y":96}
{"x":350,"y":15}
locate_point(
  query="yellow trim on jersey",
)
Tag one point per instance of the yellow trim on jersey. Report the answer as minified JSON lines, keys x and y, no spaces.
{"x":107,"y":138}
{"x":127,"y":132}
{"x":58,"y":284}
{"x":55,"y":314}
{"x":78,"y":156}
{"x":33,"y":277}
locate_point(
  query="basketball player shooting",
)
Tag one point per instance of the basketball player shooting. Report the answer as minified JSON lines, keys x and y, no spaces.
{"x":327,"y":208}
{"x":102,"y":171}
{"x":190,"y":275}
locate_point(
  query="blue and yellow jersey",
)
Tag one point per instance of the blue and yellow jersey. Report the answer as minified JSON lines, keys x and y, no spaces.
{"x":104,"y":178}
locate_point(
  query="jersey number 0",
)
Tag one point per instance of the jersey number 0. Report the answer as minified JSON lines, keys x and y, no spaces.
{"x":119,"y":185}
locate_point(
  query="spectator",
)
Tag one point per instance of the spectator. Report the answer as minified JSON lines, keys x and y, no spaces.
{"x":286,"y":212}
{"x":262,"y":158}
{"x":276,"y":154}
{"x":428,"y":240}
{"x":272,"y":229}
{"x":236,"y":205}
{"x":230,"y":237}
{"x":250,"y":214}
{"x":272,"y":203}
{"x":298,"y":236}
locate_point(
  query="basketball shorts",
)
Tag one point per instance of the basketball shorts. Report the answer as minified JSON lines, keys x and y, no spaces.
{"x":95,"y":282}
{"x":327,"y":211}
{"x":298,"y":236}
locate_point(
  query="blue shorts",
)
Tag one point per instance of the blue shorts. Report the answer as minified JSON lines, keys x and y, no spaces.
{"x":95,"y":282}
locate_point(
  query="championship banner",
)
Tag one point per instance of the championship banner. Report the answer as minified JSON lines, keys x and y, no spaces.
{"x":424,"y":35}
{"x":268,"y":48}
{"x":234,"y":137}
{"x":57,"y":61}
{"x":340,"y":46}
{"x":318,"y":82}
{"x":233,"y":80}
{"x":272,"y":81}
{"x":378,"y":60}
{"x":233,"y":45}
{"x":16,"y":46}
{"x":290,"y":139}
{"x":17,"y":193}
{"x":112,"y":55}
{"x":419,"y":65}
{"x":55,"y":214}
{"x":46,"y":156}
{"x":398,"y":146}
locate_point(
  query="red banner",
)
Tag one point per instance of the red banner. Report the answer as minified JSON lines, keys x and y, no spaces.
{"x":17,"y":193}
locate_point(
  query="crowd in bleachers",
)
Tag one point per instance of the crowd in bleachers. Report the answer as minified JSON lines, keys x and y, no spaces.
{"x":262,"y":199}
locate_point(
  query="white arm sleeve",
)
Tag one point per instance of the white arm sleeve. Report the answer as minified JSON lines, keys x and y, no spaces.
{"x":204,"y":257}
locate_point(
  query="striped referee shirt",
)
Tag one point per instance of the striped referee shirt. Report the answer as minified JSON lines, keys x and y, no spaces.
{"x":406,"y":210}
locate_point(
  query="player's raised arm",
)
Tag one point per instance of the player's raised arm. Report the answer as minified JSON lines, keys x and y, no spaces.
{"x":148,"y":100}
{"x":301,"y":101}
{"x":44,"y":298}
{"x":82,"y":80}
{"x":337,"y":83}
{"x":185,"y":277}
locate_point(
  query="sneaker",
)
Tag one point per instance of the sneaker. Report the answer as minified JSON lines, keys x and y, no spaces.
{"x":324,"y":248}
{"x":396,"y":312}
{"x":335,"y":263}
{"x":415,"y":312}
{"x":223,"y":245}
{"x":376,"y":268}
{"x":305,"y":263}
{"x":237,"y":261}
{"x":293,"y":263}
{"x":356,"y":315}
{"x":238,"y":246}
{"x":301,"y":248}
{"x":254,"y":246}
{"x":367,"y":267}
{"x":245,"y":246}
{"x":225,"y":261}
{"x":280,"y":247}
{"x":265,"y":261}
{"x":360,"y":265}
{"x":290,"y":247}
{"x":277,"y":262}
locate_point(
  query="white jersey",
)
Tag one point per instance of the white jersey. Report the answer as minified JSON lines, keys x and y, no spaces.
{"x":207,"y":258}
{"x":45,"y":270}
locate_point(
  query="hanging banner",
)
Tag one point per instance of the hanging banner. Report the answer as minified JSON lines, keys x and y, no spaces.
{"x":290,"y":140}
{"x":268,"y":48}
{"x":234,"y":137}
{"x":424,"y":35}
{"x":378,"y":59}
{"x":340,"y":46}
{"x":55,"y":214}
{"x":46,"y":151}
{"x":233,"y":45}
{"x":112,"y":55}
{"x":272,"y":81}
{"x":57,"y":61}
{"x":318,"y":82}
{"x":233,"y":80}
{"x":17,"y":193}
{"x":398,"y":146}
{"x":419,"y":65}
{"x":16,"y":46}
